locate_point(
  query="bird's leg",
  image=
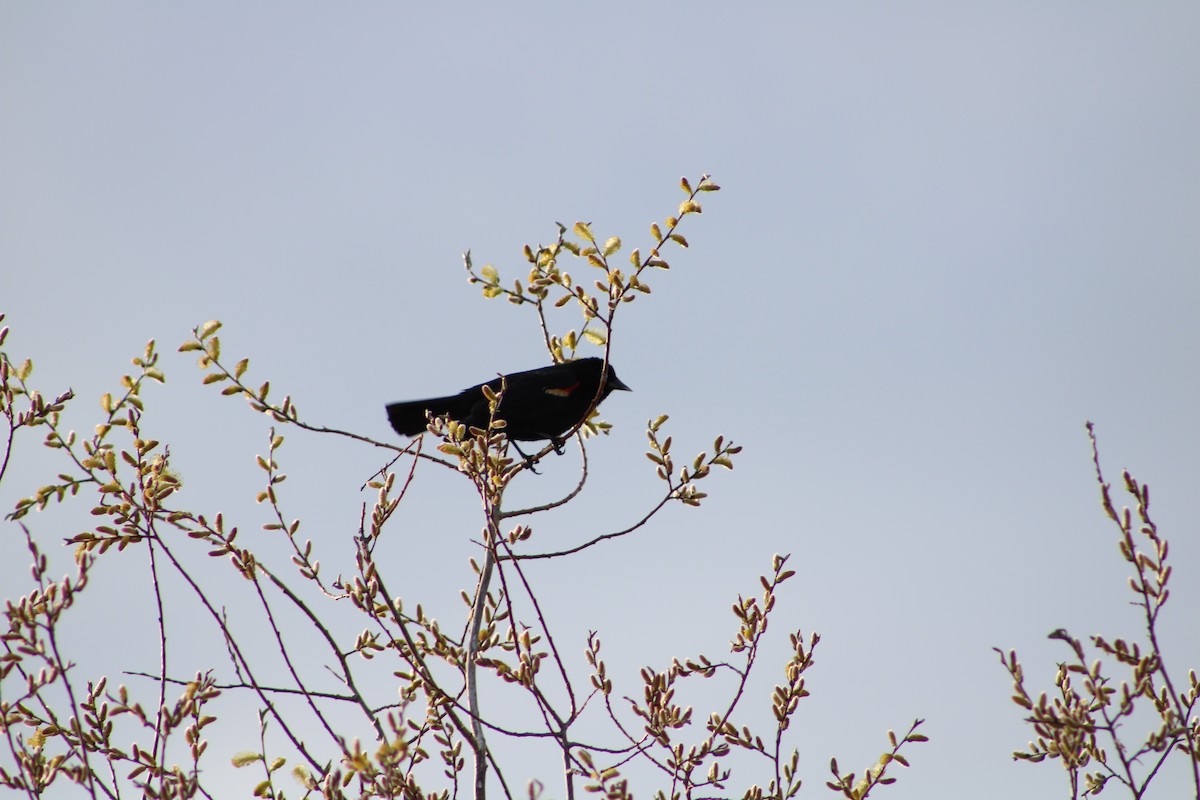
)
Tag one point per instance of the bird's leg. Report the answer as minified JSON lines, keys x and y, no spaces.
{"x":529,"y":460}
{"x":558,"y":444}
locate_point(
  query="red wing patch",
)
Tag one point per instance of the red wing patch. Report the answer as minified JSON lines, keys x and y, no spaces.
{"x":564,"y":391}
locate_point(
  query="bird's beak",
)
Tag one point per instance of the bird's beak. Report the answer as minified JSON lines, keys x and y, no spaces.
{"x":615,"y":384}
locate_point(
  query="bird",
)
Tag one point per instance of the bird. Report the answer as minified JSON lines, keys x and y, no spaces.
{"x":537,"y":404}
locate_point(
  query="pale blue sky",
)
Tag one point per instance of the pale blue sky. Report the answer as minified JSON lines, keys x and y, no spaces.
{"x":949,"y":234}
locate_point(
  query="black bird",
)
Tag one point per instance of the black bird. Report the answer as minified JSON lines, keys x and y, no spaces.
{"x":537,"y":404}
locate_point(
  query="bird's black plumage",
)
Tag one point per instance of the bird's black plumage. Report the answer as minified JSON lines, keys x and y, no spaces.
{"x":537,"y":404}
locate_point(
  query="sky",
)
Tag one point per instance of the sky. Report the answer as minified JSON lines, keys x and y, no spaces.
{"x":948,"y":235}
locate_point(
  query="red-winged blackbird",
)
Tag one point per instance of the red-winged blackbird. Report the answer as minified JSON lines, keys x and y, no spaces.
{"x":538,"y":404}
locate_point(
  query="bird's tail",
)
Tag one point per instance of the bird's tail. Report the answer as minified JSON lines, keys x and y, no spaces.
{"x":408,"y":419}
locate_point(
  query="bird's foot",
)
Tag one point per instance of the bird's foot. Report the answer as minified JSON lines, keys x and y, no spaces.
{"x":530,"y":461}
